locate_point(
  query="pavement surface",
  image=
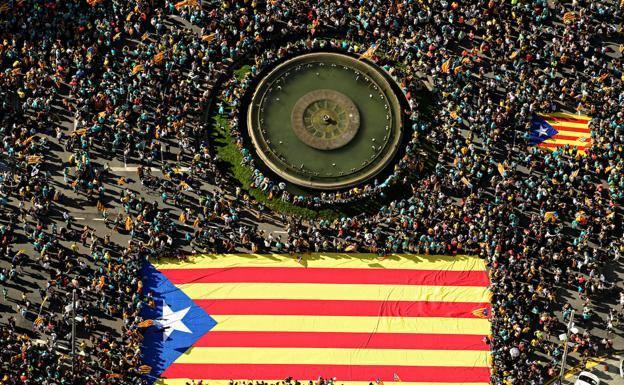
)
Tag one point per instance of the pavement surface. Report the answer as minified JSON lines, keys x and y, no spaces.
{"x":608,"y":370}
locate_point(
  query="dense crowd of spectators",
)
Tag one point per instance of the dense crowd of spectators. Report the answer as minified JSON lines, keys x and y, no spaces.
{"x":86,"y":84}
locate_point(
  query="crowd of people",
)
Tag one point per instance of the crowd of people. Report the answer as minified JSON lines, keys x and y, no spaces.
{"x":88,"y":85}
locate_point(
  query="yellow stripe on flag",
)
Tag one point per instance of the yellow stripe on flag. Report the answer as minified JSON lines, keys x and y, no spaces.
{"x":565,"y":115}
{"x":345,"y":292}
{"x":572,"y":133}
{"x":320,"y":356}
{"x":347,"y":324}
{"x":329,"y":260}
{"x":563,"y":142}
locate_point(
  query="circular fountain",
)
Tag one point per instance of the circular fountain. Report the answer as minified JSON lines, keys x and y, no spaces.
{"x":325,"y":120}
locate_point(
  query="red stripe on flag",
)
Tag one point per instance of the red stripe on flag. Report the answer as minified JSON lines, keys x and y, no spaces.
{"x":342,"y":340}
{"x":431,"y":374}
{"x":561,"y":145}
{"x":566,"y":137}
{"x":327,"y":275}
{"x":573,"y":129}
{"x":339,"y":308}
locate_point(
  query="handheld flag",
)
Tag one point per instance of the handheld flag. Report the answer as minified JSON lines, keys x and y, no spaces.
{"x":501,"y":169}
{"x":145,"y":324}
{"x":34,"y":159}
{"x":79,"y":132}
{"x":186,"y":3}
{"x":159,"y":57}
{"x":137,"y":68}
{"x":27,"y":141}
{"x":569,"y":17}
{"x":558,"y":129}
{"x":465,"y":181}
{"x":551,"y":216}
{"x":208,"y":38}
{"x":370,"y":52}
{"x":129,"y":224}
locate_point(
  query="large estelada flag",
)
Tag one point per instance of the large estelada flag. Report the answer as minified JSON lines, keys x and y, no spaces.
{"x":558,"y":129}
{"x":354,"y":318}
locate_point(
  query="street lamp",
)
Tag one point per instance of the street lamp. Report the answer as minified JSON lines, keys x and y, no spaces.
{"x":566,"y":339}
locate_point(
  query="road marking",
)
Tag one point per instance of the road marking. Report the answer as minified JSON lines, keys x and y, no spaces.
{"x":134,"y":169}
{"x":570,"y":373}
{"x":79,"y":218}
{"x":99,"y":219}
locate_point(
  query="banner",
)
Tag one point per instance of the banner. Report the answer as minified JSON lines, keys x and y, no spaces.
{"x":353,"y":317}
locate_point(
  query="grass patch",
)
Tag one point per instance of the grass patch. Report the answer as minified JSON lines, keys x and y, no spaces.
{"x":228,"y":152}
{"x":241,"y":72}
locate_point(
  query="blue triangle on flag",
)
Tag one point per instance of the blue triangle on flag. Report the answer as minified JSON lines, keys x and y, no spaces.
{"x":178,"y":322}
{"x":540,"y":130}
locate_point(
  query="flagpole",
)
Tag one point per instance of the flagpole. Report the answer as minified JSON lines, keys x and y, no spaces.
{"x":73,"y":338}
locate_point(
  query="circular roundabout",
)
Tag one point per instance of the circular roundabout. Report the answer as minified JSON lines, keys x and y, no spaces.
{"x":325,"y":120}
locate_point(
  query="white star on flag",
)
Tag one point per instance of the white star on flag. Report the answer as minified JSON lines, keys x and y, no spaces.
{"x":171,"y":321}
{"x":543,"y":131}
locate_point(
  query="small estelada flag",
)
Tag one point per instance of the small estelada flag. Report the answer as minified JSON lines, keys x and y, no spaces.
{"x":560,"y":130}
{"x":145,"y":369}
{"x":481,"y":312}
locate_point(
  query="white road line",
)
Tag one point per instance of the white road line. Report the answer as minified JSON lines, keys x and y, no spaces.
{"x":280,"y":232}
{"x":79,"y":218}
{"x":134,"y":169}
{"x":99,"y":219}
